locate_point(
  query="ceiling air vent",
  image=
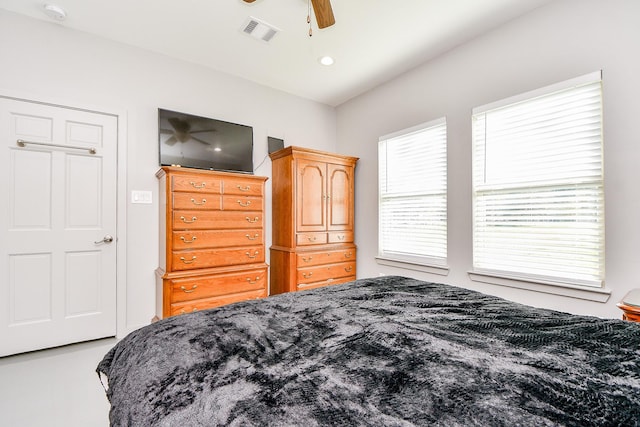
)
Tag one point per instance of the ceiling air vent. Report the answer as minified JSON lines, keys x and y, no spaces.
{"x":259,"y":29}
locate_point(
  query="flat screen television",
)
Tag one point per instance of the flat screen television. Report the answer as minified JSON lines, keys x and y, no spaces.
{"x":198,"y":142}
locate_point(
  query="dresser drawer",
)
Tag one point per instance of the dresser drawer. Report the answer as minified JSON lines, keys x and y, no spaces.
{"x":195,"y":288}
{"x":216,"y":238}
{"x":198,"y":184}
{"x":324,"y":272}
{"x":242,"y":203}
{"x":206,"y":220}
{"x":330,"y":281}
{"x":304,"y":239}
{"x":189,"y":260}
{"x":196,"y":201}
{"x":207,"y":303}
{"x":309,"y":259}
{"x":245,"y":187}
{"x":341,"y":237}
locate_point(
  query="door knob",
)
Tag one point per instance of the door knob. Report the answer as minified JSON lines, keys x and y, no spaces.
{"x":106,"y":239}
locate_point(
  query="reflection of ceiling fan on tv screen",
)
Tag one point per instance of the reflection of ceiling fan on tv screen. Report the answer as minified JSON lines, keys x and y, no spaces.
{"x":322,"y":10}
{"x":201,"y":142}
{"x":181,"y":132}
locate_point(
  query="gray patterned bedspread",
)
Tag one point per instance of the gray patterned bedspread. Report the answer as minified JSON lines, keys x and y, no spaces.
{"x":388,"y":351}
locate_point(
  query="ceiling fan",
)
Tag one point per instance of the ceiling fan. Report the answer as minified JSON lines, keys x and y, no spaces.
{"x":182,"y":132}
{"x":322,"y":10}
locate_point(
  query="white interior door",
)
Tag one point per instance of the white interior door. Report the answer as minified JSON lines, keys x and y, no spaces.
{"x":57,"y":226}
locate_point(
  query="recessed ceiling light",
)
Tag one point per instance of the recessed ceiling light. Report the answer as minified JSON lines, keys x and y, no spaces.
{"x":326,"y":60}
{"x":54,"y":11}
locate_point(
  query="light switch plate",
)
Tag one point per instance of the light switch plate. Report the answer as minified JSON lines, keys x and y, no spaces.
{"x":138,"y":196}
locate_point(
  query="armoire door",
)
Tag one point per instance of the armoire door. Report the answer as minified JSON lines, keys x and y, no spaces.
{"x":340,"y":197}
{"x":311,"y":196}
{"x":57,"y":225}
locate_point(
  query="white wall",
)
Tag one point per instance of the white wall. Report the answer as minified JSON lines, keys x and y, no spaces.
{"x":48,"y":62}
{"x":564,"y":39}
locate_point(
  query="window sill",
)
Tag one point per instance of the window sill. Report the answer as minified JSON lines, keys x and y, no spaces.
{"x":434,"y":269}
{"x":573,"y":291}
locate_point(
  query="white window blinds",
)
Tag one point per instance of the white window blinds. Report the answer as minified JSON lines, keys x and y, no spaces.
{"x":413,"y":194}
{"x":538,"y":185}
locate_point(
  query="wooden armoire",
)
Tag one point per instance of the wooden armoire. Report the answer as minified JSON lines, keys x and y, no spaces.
{"x":313,"y":216}
{"x":212,"y":246}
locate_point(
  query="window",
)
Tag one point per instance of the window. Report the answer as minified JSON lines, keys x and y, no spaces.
{"x":413,"y":195}
{"x":538,"y":185}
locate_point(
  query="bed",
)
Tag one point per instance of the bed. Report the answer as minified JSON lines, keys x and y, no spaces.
{"x":389,"y":351}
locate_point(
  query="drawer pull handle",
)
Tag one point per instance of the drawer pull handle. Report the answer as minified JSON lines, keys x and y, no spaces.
{"x":188,"y":291}
{"x":255,"y":236}
{"x":193,"y":239}
{"x":307,"y":259}
{"x":341,"y":237}
{"x":348,"y":269}
{"x":312,"y":238}
{"x":189,"y":221}
{"x":307,"y":275}
{"x":199,"y":203}
{"x":188,"y":261}
{"x":253,"y":281}
{"x":252,"y":256}
{"x":244,"y":205}
{"x":183,"y":311}
{"x":254,"y":220}
{"x":194,"y":185}
{"x":241,"y":188}
{"x":348,"y":255}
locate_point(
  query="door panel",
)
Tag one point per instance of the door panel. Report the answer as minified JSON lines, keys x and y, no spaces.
{"x":340,"y":202}
{"x":57,"y":275}
{"x":30,"y":288}
{"x":31,"y":175}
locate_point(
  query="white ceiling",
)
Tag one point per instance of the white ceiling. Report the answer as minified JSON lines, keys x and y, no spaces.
{"x":372,"y":40}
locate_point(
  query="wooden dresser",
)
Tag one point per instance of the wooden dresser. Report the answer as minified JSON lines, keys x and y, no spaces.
{"x":313,"y":214}
{"x":212,"y":247}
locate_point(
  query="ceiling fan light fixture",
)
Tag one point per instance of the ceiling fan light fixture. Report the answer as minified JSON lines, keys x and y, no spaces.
{"x":326,"y":60}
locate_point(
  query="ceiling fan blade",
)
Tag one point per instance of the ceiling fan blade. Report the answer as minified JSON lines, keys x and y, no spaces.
{"x":324,"y":13}
{"x":201,"y":141}
{"x":171,"y":141}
